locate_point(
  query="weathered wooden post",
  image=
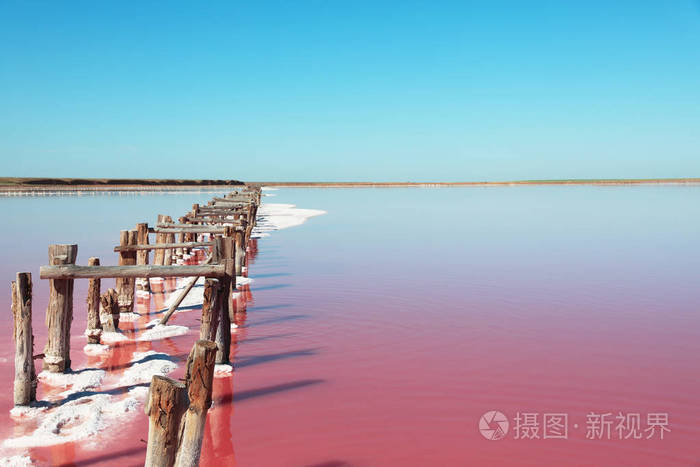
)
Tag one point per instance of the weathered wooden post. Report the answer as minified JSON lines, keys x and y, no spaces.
{"x":240,"y":252}
{"x":199,"y":377}
{"x":25,"y":373}
{"x":109,"y":311}
{"x":126,"y":285}
{"x":142,"y":255}
{"x":59,"y":314}
{"x":180,"y":252}
{"x":167,"y":402}
{"x":248,"y":230}
{"x":94,"y":329}
{"x":158,"y":255}
{"x":225,"y":249}
{"x":192,"y":237}
{"x":210,"y":310}
{"x":169,"y":238}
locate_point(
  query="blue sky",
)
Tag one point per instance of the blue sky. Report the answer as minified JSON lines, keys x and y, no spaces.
{"x":354,"y":90}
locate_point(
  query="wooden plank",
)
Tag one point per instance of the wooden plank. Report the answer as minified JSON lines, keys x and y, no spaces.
{"x":234,"y":199}
{"x":91,"y":272}
{"x":162,"y":246}
{"x":209,"y":218}
{"x":177,"y":228}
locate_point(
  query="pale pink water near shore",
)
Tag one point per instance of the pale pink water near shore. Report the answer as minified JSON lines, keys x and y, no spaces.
{"x":380,"y":333}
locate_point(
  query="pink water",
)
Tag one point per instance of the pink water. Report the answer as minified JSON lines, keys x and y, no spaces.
{"x":380,"y":333}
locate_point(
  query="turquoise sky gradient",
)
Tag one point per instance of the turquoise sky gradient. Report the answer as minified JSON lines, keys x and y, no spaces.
{"x":333,"y":90}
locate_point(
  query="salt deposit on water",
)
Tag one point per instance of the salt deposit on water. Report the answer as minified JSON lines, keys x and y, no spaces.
{"x":159,"y":331}
{"x":222,"y":371}
{"x":124,"y":317}
{"x":15,"y":461}
{"x":80,"y":418}
{"x":75,"y":420}
{"x":95,"y":349}
{"x":112,"y":337}
{"x":145,"y":365}
{"x":273,"y":217}
{"x":77,"y":381}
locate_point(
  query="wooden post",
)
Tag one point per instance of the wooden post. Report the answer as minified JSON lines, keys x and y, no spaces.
{"x":210,"y":310}
{"x":240,"y":253}
{"x":169,"y":238}
{"x":126,"y":285}
{"x":25,"y":373}
{"x":226,"y":250}
{"x":109,"y":311}
{"x":142,"y":255}
{"x":167,"y":402}
{"x":180,"y":252}
{"x":158,"y":255}
{"x":199,"y":377}
{"x":59,"y":314}
{"x":94,"y":329}
{"x":248,"y":231}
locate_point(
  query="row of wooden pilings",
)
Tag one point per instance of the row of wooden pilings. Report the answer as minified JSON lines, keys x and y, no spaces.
{"x":177,"y":410}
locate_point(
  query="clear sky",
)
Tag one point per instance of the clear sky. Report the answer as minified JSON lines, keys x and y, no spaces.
{"x":350,"y":90}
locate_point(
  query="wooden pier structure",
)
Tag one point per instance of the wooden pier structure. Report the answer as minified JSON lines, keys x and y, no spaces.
{"x":177,"y":411}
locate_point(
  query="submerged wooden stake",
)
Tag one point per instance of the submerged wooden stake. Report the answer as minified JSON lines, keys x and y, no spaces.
{"x":59,"y":314}
{"x":167,"y":402}
{"x":94,"y":329}
{"x":126,"y":285}
{"x":210,"y":310}
{"x":109,"y":311}
{"x":225,"y":249}
{"x":199,"y":377}
{"x":169,"y":238}
{"x":25,"y":373}
{"x":142,"y":283}
{"x":240,"y":253}
{"x":158,"y":255}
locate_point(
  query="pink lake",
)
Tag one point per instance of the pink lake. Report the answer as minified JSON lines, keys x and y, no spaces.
{"x":381,"y":332}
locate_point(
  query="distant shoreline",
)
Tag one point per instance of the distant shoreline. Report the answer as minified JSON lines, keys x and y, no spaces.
{"x":38,"y":185}
{"x":612,"y":181}
{"x":17,"y":184}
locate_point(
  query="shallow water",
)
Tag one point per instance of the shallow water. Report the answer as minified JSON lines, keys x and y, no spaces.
{"x":380,"y":333}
